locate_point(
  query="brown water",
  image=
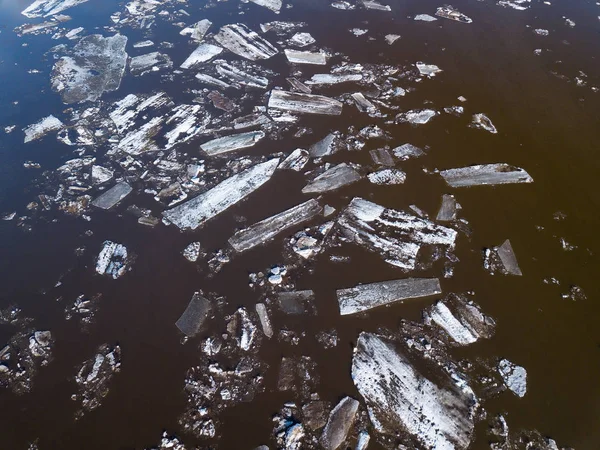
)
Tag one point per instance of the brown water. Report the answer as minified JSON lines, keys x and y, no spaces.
{"x":546,"y":124}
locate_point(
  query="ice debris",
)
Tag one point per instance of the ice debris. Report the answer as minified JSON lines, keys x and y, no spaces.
{"x":304,"y":103}
{"x":45,"y":8}
{"x":113,"y":260}
{"x":113,"y":196}
{"x":301,"y":57}
{"x":204,"y":52}
{"x":515,"y":377}
{"x":483,"y":122}
{"x":485,"y":174}
{"x":334,"y":178}
{"x":425,"y":18}
{"x":232,"y":143}
{"x":387,"y":177}
{"x":192,"y":252}
{"x":242,"y":41}
{"x":449,"y":12}
{"x":448,"y":209}
{"x":42,"y":128}
{"x":194,"y":315}
{"x":273,"y":5}
{"x":501,"y":259}
{"x":339,"y":424}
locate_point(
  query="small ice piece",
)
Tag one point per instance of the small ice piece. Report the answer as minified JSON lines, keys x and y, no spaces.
{"x":391,"y":38}
{"x":304,"y":103}
{"x":325,"y":147}
{"x":541,"y":32}
{"x":362,"y":103}
{"x":382,"y":157}
{"x":228,"y":144}
{"x":425,"y":18}
{"x":485,"y":174}
{"x":273,"y":5}
{"x":204,"y":52}
{"x":101,"y":175}
{"x":150,"y":62}
{"x":197,"y":211}
{"x":94,"y":66}
{"x":265,"y":322}
{"x":198,"y":30}
{"x":245,"y":331}
{"x":449,"y":12}
{"x":438,"y":412}
{"x":448,"y":209}
{"x":483,"y":122}
{"x":502,"y":259}
{"x":407,"y":151}
{"x":463,"y":321}
{"x":429,"y":70}
{"x":113,"y":196}
{"x":343,"y":5}
{"x":397,"y":236}
{"x":417,"y":116}
{"x":363,"y":441}
{"x":300,"y":57}
{"x":387,"y":177}
{"x":194,"y":315}
{"x":239,"y":39}
{"x":192,"y":252}
{"x":42,"y":128}
{"x":45,"y":8}
{"x":112,"y":260}
{"x":334,"y":178}
{"x":295,"y":161}
{"x":370,"y":4}
{"x":302,"y":39}
{"x":265,"y":230}
{"x":296,"y":302}
{"x":334,"y":78}
{"x":368,"y":296}
{"x":340,"y":421}
{"x":515,"y":377}
{"x":358,"y":31}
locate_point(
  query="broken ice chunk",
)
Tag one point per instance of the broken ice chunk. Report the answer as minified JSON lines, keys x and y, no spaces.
{"x":304,"y":103}
{"x":483,"y":122}
{"x":326,"y":146}
{"x":296,"y":302}
{"x":485,"y":174}
{"x":198,"y":30}
{"x":417,"y":116}
{"x":436,"y":414}
{"x":204,"y":52}
{"x":391,"y":38}
{"x":515,"y":377}
{"x":45,"y":8}
{"x":397,"y":236}
{"x":300,"y":57}
{"x":194,"y":315}
{"x":192,"y":252}
{"x":463,"y":321}
{"x":94,"y":66}
{"x":242,"y":328}
{"x":407,"y":151}
{"x":425,"y":18}
{"x":273,"y":5}
{"x":228,"y":144}
{"x":42,"y":128}
{"x":340,"y":421}
{"x":302,"y":39}
{"x":197,"y":211}
{"x":238,"y":76}
{"x":150,"y":62}
{"x":265,"y":230}
{"x":387,"y":177}
{"x":502,"y":259}
{"x":370,"y":4}
{"x":448,"y":209}
{"x":363,"y":104}
{"x":242,"y":41}
{"x":429,"y":70}
{"x":265,"y":322}
{"x":368,"y":296}
{"x":101,"y":175}
{"x":449,"y":12}
{"x":335,"y":78}
{"x":382,"y":157}
{"x":113,"y":196}
{"x":207,"y":79}
{"x":113,"y":260}
{"x":298,"y":85}
{"x":334,"y":178}
{"x":295,"y":161}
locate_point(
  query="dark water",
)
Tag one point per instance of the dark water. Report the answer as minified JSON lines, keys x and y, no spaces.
{"x":547,"y":125}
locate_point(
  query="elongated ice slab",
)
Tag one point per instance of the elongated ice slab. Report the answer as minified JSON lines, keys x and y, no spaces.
{"x":204,"y":52}
{"x":334,"y":78}
{"x":239,"y":39}
{"x":397,"y":236}
{"x":437,"y":414}
{"x":45,"y":8}
{"x":370,"y":4}
{"x":113,"y":196}
{"x":334,"y":178}
{"x":228,"y":144}
{"x":42,"y":128}
{"x":368,"y":296}
{"x":94,"y":66}
{"x":265,"y":230}
{"x":429,"y":70}
{"x":448,"y":12}
{"x":265,"y":321}
{"x":339,"y":424}
{"x":300,"y":57}
{"x":197,"y":211}
{"x":387,"y":177}
{"x":485,"y":174}
{"x":295,"y":161}
{"x":194,"y":315}
{"x":304,"y":103}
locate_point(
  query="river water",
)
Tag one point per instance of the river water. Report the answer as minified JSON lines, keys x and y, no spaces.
{"x":544,"y":105}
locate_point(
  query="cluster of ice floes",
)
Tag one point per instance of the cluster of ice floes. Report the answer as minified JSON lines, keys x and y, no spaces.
{"x":195,"y":149}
